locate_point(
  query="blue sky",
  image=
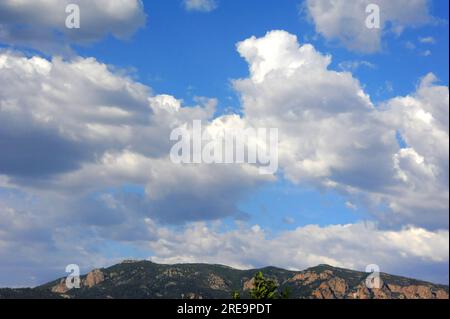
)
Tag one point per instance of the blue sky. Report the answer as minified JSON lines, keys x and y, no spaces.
{"x":190,"y":54}
{"x":84,"y":158}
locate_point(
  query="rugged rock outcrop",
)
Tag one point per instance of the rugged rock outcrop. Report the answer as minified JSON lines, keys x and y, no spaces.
{"x":335,"y":288}
{"x":94,"y":278}
{"x":217,"y":282}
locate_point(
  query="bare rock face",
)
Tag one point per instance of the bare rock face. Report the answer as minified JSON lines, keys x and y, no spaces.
{"x":418,"y":292}
{"x":381,"y":294}
{"x":326,"y":284}
{"x":391,"y":291}
{"x":94,"y":278}
{"x":60,"y":288}
{"x":335,"y":288}
{"x":216,"y":282}
{"x":412,"y":292}
{"x":441,"y":294}
{"x":362,"y":292}
{"x":249,"y":284}
{"x":310,"y":277}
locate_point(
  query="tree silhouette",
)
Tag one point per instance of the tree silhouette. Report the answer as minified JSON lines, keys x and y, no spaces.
{"x":264,"y":288}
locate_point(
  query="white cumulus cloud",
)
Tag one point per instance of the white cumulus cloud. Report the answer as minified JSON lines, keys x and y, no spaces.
{"x":41,"y":24}
{"x":331,"y":134}
{"x":345,"y":21}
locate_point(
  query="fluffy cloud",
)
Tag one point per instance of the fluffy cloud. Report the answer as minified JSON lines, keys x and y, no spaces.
{"x":52,"y":122}
{"x":344,"y":21}
{"x":41,"y":24}
{"x":422,"y":192}
{"x":349,"y":246}
{"x":200,"y":5}
{"x":331,"y":134}
{"x":69,"y":129}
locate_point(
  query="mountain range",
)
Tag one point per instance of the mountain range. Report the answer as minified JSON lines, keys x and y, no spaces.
{"x":148,"y":280}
